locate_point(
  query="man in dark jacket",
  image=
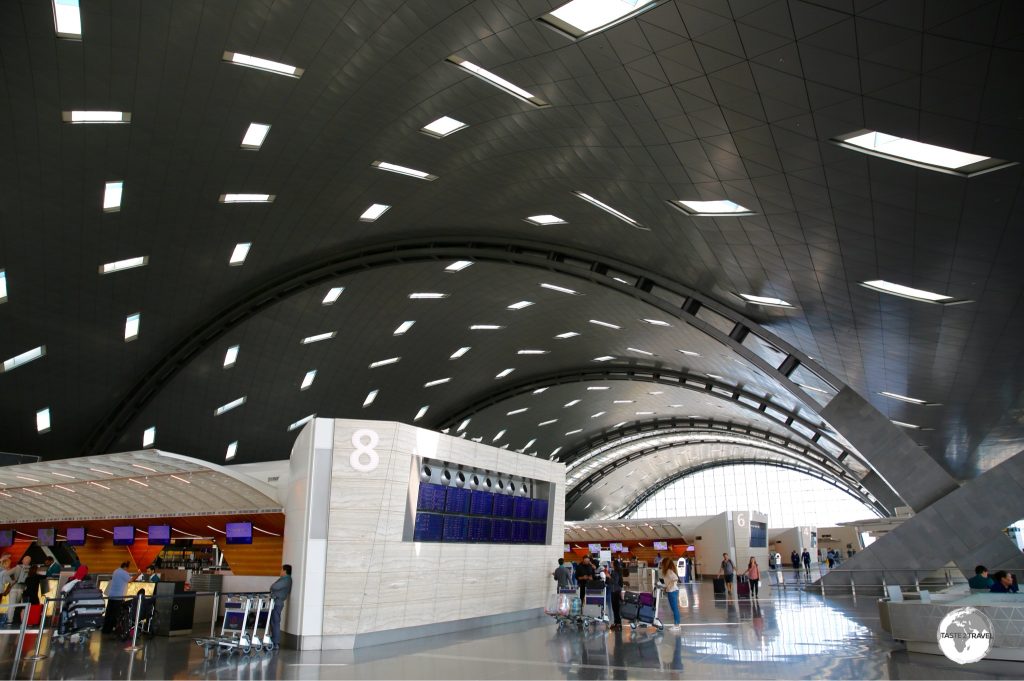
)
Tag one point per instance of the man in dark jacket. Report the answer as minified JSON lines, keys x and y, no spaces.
{"x":279,"y":590}
{"x":807,"y":560}
{"x":616,"y":574}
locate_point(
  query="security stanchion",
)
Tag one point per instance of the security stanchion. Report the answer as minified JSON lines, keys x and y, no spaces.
{"x":39,"y":634}
{"x":135,"y":628}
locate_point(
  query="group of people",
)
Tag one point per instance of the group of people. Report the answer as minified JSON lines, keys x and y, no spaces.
{"x":797,"y":558}
{"x":1001,"y":582}
{"x":24,"y":583}
{"x":727,"y":572}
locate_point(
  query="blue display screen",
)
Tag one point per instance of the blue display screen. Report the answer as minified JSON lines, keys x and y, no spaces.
{"x":538,"y":532}
{"x":481,"y":503}
{"x":479,"y":529}
{"x":539,"y":510}
{"x":501,"y":531}
{"x":431,"y":497}
{"x":455,"y":514}
{"x":159,"y":535}
{"x":76,"y":536}
{"x":457,"y":500}
{"x":502,"y":506}
{"x":521,"y":507}
{"x":520,"y":532}
{"x":124,"y":535}
{"x":456,"y":528}
{"x":429,"y":527}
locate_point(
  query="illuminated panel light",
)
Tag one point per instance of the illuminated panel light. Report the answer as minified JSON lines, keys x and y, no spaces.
{"x":503,"y":373}
{"x":574,"y":432}
{"x":582,"y":18}
{"x":903,"y":424}
{"x":460,"y":352}
{"x":384,"y":362}
{"x":403,"y":327}
{"x":520,"y":305}
{"x":246,"y":198}
{"x":604,"y":358}
{"x":374,"y":212}
{"x":131,"y":326}
{"x":231,"y":356}
{"x":689,"y":353}
{"x":567,"y":334}
{"x":555,"y":451}
{"x":501,"y":433}
{"x":642,"y":352}
{"x":486,"y":327}
{"x":112,"y":192}
{"x":126,"y":264}
{"x":225,"y":408}
{"x":547,"y":423}
{"x":462,"y":426}
{"x":560,"y":289}
{"x":308,"y":379}
{"x":545,"y":220}
{"x":319,"y":337}
{"x":532,"y":352}
{"x":904,"y":398}
{"x":263,"y":64}
{"x":644,"y":413}
{"x":517,"y":411}
{"x":571,"y":403}
{"x":622,"y":402}
{"x":608,"y":209}
{"x":604,"y":324}
{"x":497,"y":81}
{"x":442,"y":127}
{"x":458,"y":266}
{"x":431,"y":384}
{"x":301,"y":422}
{"x":421,"y":413}
{"x":43,"y":420}
{"x":149,"y":436}
{"x":370,"y":397}
{"x":427,"y":296}
{"x":711,"y":209}
{"x":333,"y":295}
{"x":600,"y":413}
{"x":3,"y":286}
{"x":715,"y":376}
{"x":239,"y":255}
{"x":403,"y":170}
{"x":67,"y":20}
{"x":538,"y":391}
{"x":883,"y":286}
{"x":96,"y":117}
{"x":655,"y":322}
{"x":928,"y":156}
{"x":254,"y":136}
{"x":765,"y":300}
{"x":597,"y":387}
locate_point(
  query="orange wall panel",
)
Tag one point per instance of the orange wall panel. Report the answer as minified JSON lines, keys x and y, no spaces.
{"x":102,"y":556}
{"x":261,"y":558}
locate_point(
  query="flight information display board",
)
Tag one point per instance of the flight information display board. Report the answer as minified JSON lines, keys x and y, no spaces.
{"x":429,"y":527}
{"x":457,"y":501}
{"x":481,"y":503}
{"x":480,"y":530}
{"x":521,"y":507}
{"x":539,"y":511}
{"x":538,"y":532}
{"x":520,"y":532}
{"x":501,"y":531}
{"x":431,"y":497}
{"x":502,"y":506}
{"x":456,"y":528}
{"x":459,"y":515}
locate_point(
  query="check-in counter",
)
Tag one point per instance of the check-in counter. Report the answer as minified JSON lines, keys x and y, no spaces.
{"x":175,"y":608}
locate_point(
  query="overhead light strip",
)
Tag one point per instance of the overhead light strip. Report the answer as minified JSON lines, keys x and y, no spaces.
{"x":608,"y":209}
{"x":263,"y":64}
{"x":920,"y":154}
{"x":581,"y":19}
{"x":497,"y":81}
{"x":67,"y":19}
{"x":403,"y":170}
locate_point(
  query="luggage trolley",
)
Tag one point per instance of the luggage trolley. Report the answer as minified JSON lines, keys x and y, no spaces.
{"x":641,"y":609}
{"x":564,"y":606}
{"x":594,"y":604}
{"x":234,"y":629}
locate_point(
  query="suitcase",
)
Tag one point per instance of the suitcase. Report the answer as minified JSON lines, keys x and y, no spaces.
{"x":630,"y":607}
{"x":556,"y":603}
{"x":742,"y":587}
{"x":35,"y":613}
{"x":647,"y":614}
{"x":718,"y":584}
{"x":576,"y":606}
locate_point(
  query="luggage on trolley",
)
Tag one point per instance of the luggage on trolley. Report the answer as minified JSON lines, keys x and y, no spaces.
{"x":594,"y":604}
{"x":563,"y":606}
{"x":643,"y":610}
{"x":81,"y":613}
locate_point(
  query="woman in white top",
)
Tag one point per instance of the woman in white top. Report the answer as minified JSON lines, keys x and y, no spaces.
{"x":671,"y":578}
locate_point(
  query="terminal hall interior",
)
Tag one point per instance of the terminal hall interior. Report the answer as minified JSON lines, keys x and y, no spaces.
{"x":357,"y":339}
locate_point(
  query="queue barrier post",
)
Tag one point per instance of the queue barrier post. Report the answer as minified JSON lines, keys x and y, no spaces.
{"x":135,"y":629}
{"x":39,"y":634}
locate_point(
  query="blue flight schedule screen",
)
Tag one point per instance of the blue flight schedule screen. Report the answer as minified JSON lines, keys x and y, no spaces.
{"x":501,"y":531}
{"x":502,"y":506}
{"x":538,"y":532}
{"x":457,"y":501}
{"x":520,"y":532}
{"x":480,"y":529}
{"x":446,"y":513}
{"x":429,"y":527}
{"x":481,"y":503}
{"x":456,"y":528}
{"x":539,"y":510}
{"x":521,"y":507}
{"x":431,"y":497}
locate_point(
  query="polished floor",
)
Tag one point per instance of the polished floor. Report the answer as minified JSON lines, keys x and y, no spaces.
{"x":793,"y":635}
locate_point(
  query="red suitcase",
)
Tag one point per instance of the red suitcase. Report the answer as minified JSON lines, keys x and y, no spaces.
{"x":35,"y":613}
{"x":742,"y":587}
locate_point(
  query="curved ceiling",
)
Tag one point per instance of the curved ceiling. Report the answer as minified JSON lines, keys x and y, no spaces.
{"x":710,"y":100}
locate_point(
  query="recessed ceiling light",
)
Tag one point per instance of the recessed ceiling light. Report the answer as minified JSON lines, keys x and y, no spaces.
{"x":319,"y":337}
{"x":582,"y":18}
{"x":3,"y":286}
{"x":642,"y":352}
{"x":246,"y":198}
{"x":460,"y":352}
{"x":545,"y":220}
{"x":644,"y":413}
{"x":96,"y":116}
{"x":301,"y":422}
{"x":497,"y":437}
{"x":597,"y":387}
{"x":403,"y":327}
{"x":131,"y":326}
{"x":458,"y":266}
{"x":538,"y":391}
{"x":231,"y":356}
{"x":403,"y":170}
{"x":427,"y":296}
{"x":333,"y":295}
{"x":573,"y":432}
{"x":547,"y":423}
{"x":463,"y":425}
{"x":239,"y":254}
{"x":560,"y":289}
{"x":656,"y":392}
{"x":928,"y":156}
{"x":608,"y":209}
{"x":308,"y":379}
{"x":724,"y":208}
{"x":903,"y":398}
{"x":374,"y":212}
{"x":567,"y":334}
{"x":225,"y":408}
{"x":571,"y":403}
{"x":689,"y":353}
{"x":528,"y":445}
{"x":384,"y":362}
{"x":883,"y":286}
{"x":520,"y":305}
{"x":504,"y":372}
{"x":231,"y":451}
{"x":600,"y":413}
{"x":603,"y":358}
{"x":765,"y":300}
{"x":715,"y":376}
{"x":254,"y":136}
{"x":532,"y":352}
{"x":622,"y":402}
{"x":43,"y":420}
{"x":903,"y":424}
{"x":655,"y":322}
{"x":605,"y":324}
{"x":263,"y":64}
{"x":126,"y":264}
{"x":112,"y":192}
{"x":555,"y":451}
{"x":67,"y":20}
{"x":431,"y":384}
{"x":149,"y":436}
{"x":442,"y":127}
{"x":370,"y":397}
{"x":421,"y":413}
{"x":497,"y":81}
{"x":485,"y":327}
{"x":517,"y":411}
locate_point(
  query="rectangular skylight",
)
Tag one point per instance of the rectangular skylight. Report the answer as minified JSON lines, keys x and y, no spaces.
{"x":600,"y":413}
{"x":516,"y":411}
{"x":96,"y":116}
{"x":547,"y":423}
{"x":555,"y":451}
{"x":43,"y":420}
{"x":642,"y":352}
{"x":497,"y":81}
{"x":711,"y":209}
{"x":254,"y":136}
{"x":571,"y":403}
{"x":560,"y":289}
{"x":231,"y":451}
{"x":333,"y":295}
{"x":501,"y":433}
{"x":126,"y":264}
{"x":3,"y":286}
{"x":225,"y":408}
{"x":520,"y":305}
{"x":883,"y":286}
{"x":403,"y":170}
{"x":403,"y":327}
{"x":370,"y":397}
{"x":608,"y":209}
{"x":644,"y":413}
{"x":458,"y":266}
{"x":689,"y":353}
{"x":545,"y":220}
{"x":421,"y":413}
{"x":67,"y":20}
{"x":622,"y":402}
{"x":463,"y":425}
{"x":301,"y":422}
{"x":597,"y":387}
{"x":485,"y":327}
{"x":567,"y":334}
{"x":765,"y":300}
{"x":374,"y":212}
{"x":384,"y":362}
{"x":604,"y":358}
{"x":112,"y":196}
{"x":149,"y":436}
{"x":246,"y":198}
{"x":604,"y":324}
{"x":573,"y":432}
{"x":439,"y":381}
{"x":655,"y":322}
{"x":319,"y":337}
{"x":239,"y":255}
{"x":504,"y":372}
{"x":263,"y":64}
{"x":131,"y":326}
{"x":532,"y":352}
{"x":582,"y":18}
{"x":308,"y":379}
{"x":903,"y":424}
{"x":443,"y":126}
{"x":538,"y":391}
{"x":231,"y":356}
{"x":427,"y":296}
{"x":928,"y":156}
{"x":902,"y":398}
{"x":460,"y":352}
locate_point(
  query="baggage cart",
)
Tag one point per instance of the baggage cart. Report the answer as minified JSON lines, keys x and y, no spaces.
{"x":238,"y":627}
{"x":564,"y":606}
{"x":595,"y":605}
{"x":647,"y":604}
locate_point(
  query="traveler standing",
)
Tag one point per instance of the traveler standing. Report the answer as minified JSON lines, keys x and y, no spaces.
{"x":584,"y":575}
{"x":562,"y":575}
{"x":807,"y":560}
{"x":727,"y":572}
{"x":616,"y":573}
{"x":753,"y":573}
{"x":794,"y":558}
{"x":5,"y":587}
{"x":279,"y":590}
{"x":115,"y":596}
{"x":670,"y":576}
{"x":18,"y":576}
